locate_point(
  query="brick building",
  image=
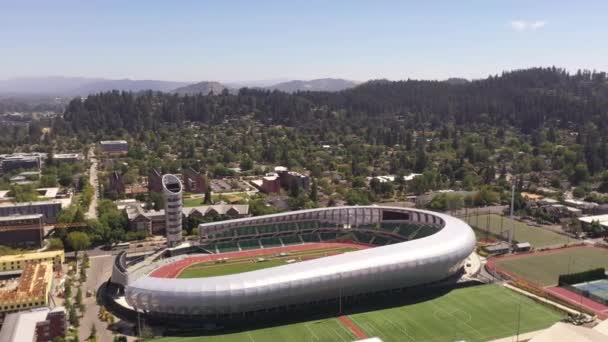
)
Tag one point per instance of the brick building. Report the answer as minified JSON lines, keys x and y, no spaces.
{"x":155,"y":183}
{"x":193,"y":181}
{"x":271,"y":184}
{"x":36,"y":325}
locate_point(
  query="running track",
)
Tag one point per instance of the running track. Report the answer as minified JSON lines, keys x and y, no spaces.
{"x":571,"y":297}
{"x":352,"y":327}
{"x":574,"y":298}
{"x":172,"y":270}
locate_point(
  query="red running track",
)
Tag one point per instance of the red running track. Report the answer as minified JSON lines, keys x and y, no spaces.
{"x":172,"y":270}
{"x":574,"y":298}
{"x":491,"y":263}
{"x":352,"y":327}
{"x":571,"y":297}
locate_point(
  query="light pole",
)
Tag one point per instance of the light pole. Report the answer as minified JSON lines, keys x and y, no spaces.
{"x":511,"y":214}
{"x":518,"y":318}
{"x":340,"y":295}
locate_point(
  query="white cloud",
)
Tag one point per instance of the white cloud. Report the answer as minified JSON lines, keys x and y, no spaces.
{"x":522,"y":25}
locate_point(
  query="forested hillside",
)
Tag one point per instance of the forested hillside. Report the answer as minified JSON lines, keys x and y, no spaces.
{"x":526,"y":99}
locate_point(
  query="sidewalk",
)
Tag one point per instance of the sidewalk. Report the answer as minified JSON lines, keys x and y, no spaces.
{"x":521,"y":337}
{"x":541,"y":299}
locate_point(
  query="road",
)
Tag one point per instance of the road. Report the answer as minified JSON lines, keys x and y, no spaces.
{"x":99,"y":272}
{"x":134,"y":248}
{"x":94,"y":181}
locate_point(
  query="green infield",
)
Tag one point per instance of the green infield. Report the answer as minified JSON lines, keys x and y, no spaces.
{"x":208,"y":270}
{"x":544,"y":269}
{"x":479,"y":313}
{"x":496,"y":225}
{"x":248,"y":264}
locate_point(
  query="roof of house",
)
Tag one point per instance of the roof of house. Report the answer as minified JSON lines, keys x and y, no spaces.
{"x":222,"y":209}
{"x":106,"y":142}
{"x":590,"y":219}
{"x":585,"y":204}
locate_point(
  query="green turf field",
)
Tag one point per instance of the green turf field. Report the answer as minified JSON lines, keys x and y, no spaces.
{"x":205,"y":270}
{"x":538,"y":237}
{"x":210,"y":269}
{"x":471,"y":314}
{"x":323,"y":330}
{"x":545,"y":269}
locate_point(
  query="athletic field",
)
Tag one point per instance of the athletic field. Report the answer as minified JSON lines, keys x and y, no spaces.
{"x":496,"y":224}
{"x":479,"y":313}
{"x":545,"y":267}
{"x":247,"y":264}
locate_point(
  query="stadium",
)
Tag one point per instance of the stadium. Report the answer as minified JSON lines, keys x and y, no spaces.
{"x":388,"y":249}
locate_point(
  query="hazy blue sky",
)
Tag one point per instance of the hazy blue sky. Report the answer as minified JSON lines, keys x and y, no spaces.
{"x":252,"y":40}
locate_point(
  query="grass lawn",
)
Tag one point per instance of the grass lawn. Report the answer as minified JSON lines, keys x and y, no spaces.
{"x":478,"y":313}
{"x":193,"y":202}
{"x":196,"y":202}
{"x":324,"y":330}
{"x":538,"y":237}
{"x":241,"y":265}
{"x":214,"y":270}
{"x":545,"y":269}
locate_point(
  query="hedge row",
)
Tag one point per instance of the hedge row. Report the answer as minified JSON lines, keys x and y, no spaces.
{"x":581,"y":277}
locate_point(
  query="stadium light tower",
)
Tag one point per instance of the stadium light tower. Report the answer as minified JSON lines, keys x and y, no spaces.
{"x":511,"y":214}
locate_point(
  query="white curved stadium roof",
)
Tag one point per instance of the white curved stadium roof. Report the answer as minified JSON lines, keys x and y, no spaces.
{"x":398,"y":265}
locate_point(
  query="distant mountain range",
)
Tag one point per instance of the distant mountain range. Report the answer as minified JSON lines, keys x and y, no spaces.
{"x":204,"y":87}
{"x":82,"y":86}
{"x":74,"y":86}
{"x":127,"y":84}
{"x":322,"y":84}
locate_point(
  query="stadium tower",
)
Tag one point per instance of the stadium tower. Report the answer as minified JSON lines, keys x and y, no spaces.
{"x":172,"y":194}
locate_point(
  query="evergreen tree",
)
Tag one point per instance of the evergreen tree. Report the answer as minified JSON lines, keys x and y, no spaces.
{"x":313,"y":191}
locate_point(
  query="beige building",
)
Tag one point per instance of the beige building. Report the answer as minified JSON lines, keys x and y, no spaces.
{"x":18,"y":262}
{"x":31,"y":291}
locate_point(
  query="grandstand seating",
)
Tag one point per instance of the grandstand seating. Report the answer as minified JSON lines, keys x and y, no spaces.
{"x":407,"y":229}
{"x":392,"y":227}
{"x":291,"y":240}
{"x":328,"y":236}
{"x":224,"y":234}
{"x":267,"y":229}
{"x":363,"y":237}
{"x":287,"y":227}
{"x":247,"y":231}
{"x":308,"y":225}
{"x":380,"y":241}
{"x":224,"y":247}
{"x":368,"y":226}
{"x":249,"y":244}
{"x":426,"y":231}
{"x":310,"y":237}
{"x":311,"y":231}
{"x":271,"y":242}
